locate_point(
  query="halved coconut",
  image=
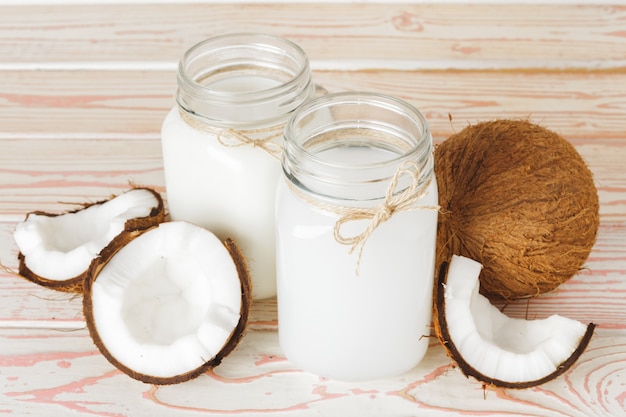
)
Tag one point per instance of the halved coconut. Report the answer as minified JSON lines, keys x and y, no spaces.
{"x":55,"y":250}
{"x":168,"y":305}
{"x":496,"y":349}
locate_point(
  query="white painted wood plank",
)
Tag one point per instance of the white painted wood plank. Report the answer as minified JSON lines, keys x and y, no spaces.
{"x":59,"y":174}
{"x":88,"y":124}
{"x":156,"y":2}
{"x":597,"y":294}
{"x":62,"y":374}
{"x":581,"y":105}
{"x":377,"y":34}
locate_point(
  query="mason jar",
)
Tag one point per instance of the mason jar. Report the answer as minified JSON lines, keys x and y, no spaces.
{"x":356,"y":226}
{"x":222,"y":141}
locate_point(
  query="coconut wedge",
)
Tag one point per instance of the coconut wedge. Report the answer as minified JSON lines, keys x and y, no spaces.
{"x":56,"y":250}
{"x":493,"y":348}
{"x":168,"y":305}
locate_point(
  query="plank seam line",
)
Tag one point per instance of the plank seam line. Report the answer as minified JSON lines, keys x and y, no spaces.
{"x":339,"y":65}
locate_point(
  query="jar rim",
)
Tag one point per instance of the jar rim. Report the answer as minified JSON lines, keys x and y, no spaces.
{"x":242,"y":39}
{"x":350,"y":145}
{"x":357,"y":97}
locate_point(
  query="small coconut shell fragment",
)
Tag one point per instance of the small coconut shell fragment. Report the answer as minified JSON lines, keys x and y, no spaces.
{"x":519,"y":199}
{"x":168,"y":305}
{"x":493,"y":348}
{"x":56,"y":249}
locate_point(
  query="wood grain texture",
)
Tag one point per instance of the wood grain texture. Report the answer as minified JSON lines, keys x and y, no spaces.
{"x":84,"y":89}
{"x":460,"y":35}
{"x":577,"y":104}
{"x":41,"y":174}
{"x":597,"y":294}
{"x":62,"y":373}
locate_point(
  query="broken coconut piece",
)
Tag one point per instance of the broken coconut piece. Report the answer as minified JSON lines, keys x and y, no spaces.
{"x":168,"y":305}
{"x":493,"y":348}
{"x":55,"y":250}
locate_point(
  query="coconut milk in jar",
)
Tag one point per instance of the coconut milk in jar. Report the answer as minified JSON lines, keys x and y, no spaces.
{"x":222,"y":142}
{"x":356,"y":230}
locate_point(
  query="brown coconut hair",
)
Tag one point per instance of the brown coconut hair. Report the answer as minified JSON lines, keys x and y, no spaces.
{"x":519,"y":199}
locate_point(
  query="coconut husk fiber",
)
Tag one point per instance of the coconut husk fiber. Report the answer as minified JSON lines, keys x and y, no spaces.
{"x":519,"y":199}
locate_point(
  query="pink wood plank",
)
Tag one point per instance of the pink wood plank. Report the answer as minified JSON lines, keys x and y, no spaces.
{"x":60,"y":174}
{"x":24,"y":304}
{"x":61,"y":373}
{"x":433,"y":34}
{"x":597,"y":294}
{"x":89,"y":123}
{"x":577,"y":104}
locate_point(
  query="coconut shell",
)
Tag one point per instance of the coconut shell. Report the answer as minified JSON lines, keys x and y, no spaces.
{"x":519,"y":199}
{"x":454,"y":353}
{"x":131,"y":228}
{"x":246,"y":301}
{"x":230,"y":345}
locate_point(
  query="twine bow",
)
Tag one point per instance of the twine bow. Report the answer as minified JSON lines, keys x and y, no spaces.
{"x":233,"y":138}
{"x":394,"y":202}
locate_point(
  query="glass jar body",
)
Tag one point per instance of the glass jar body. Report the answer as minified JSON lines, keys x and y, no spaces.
{"x":344,"y":315}
{"x":340,"y":325}
{"x":229,"y":191}
{"x":221,"y":143}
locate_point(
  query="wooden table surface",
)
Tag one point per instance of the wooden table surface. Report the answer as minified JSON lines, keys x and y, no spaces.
{"x":83,"y":91}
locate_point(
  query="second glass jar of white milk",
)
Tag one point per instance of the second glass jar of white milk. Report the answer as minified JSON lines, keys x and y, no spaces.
{"x":356,"y":230}
{"x":222,"y":141}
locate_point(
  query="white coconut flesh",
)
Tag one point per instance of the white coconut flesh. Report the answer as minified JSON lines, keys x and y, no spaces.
{"x":167,"y":302}
{"x":499,"y":348}
{"x":62,"y":247}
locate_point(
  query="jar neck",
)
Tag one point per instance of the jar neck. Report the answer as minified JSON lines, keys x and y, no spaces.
{"x":348,"y":147}
{"x":243,"y":81}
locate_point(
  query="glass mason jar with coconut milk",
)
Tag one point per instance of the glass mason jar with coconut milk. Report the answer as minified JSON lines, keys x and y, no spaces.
{"x":222,"y":141}
{"x":356,"y":230}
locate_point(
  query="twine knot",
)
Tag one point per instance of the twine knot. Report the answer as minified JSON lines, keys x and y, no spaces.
{"x":263,"y":139}
{"x":394,"y":202}
{"x":234,"y":138}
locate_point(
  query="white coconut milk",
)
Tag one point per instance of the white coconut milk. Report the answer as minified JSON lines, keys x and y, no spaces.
{"x":234,"y":92}
{"x":336,"y":323}
{"x":228,"y":190}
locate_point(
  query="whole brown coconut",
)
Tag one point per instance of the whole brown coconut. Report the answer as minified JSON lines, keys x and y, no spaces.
{"x":519,"y":199}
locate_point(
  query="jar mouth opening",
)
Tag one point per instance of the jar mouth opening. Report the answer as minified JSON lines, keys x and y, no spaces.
{"x":350,"y":146}
{"x":270,"y":67}
{"x":395,"y":142}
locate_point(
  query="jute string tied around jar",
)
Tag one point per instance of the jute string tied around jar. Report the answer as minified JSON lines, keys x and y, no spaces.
{"x":394,"y":202}
{"x":233,"y":138}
